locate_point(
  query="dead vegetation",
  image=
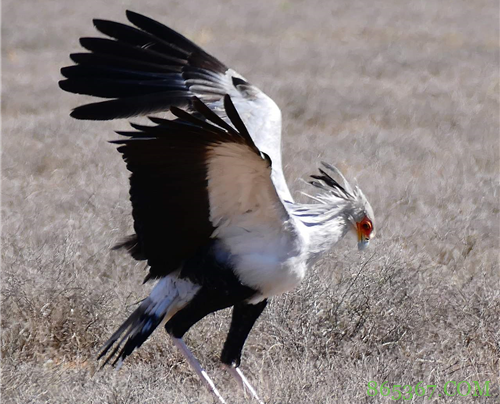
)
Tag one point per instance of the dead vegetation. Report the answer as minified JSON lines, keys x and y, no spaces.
{"x":402,"y":95}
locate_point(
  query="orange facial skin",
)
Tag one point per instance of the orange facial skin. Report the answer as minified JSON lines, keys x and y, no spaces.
{"x":364,"y":228}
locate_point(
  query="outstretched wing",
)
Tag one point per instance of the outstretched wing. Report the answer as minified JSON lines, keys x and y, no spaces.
{"x":194,"y":180}
{"x":150,"y":68}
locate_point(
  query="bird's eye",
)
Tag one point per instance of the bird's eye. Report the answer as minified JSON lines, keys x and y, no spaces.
{"x":366,"y":226}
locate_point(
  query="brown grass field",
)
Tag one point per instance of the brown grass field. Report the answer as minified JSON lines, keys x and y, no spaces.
{"x":402,"y":95}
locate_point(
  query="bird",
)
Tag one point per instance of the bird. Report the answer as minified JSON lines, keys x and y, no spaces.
{"x":213,"y":216}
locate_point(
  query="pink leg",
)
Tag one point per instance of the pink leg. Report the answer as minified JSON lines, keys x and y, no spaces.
{"x":209,"y":384}
{"x":243,"y":382}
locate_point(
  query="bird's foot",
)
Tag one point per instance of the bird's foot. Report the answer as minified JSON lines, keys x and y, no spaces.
{"x":209,"y":384}
{"x":243,"y":382}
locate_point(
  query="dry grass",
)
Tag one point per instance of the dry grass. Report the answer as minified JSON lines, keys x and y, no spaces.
{"x":403,"y":95}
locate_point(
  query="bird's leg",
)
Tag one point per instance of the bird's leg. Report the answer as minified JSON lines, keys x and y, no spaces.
{"x":206,"y":301}
{"x":209,"y":384}
{"x":243,"y":319}
{"x":243,"y":382}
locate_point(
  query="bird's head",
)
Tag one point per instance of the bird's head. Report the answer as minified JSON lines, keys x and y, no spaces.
{"x":356,"y":207}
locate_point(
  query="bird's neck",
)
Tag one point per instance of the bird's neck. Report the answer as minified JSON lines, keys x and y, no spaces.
{"x":325,"y":225}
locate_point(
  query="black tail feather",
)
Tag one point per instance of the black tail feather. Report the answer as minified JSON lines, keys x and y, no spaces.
{"x":133,"y":332}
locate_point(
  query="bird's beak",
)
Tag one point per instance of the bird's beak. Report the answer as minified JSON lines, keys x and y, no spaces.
{"x":363,"y":241}
{"x":362,"y":244}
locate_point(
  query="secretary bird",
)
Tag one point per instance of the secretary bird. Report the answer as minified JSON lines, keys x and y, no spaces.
{"x":213,"y":215}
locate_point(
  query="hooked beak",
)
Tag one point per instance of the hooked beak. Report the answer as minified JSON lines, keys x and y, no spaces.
{"x":363,"y":241}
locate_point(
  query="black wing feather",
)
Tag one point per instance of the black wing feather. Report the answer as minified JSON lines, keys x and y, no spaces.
{"x":144,"y":69}
{"x":197,"y":56}
{"x":135,"y":37}
{"x":129,"y":106}
{"x":117,"y":63}
{"x":235,"y":118}
{"x":169,"y":186}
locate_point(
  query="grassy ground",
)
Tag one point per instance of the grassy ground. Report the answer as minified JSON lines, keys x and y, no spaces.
{"x":402,"y":95}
